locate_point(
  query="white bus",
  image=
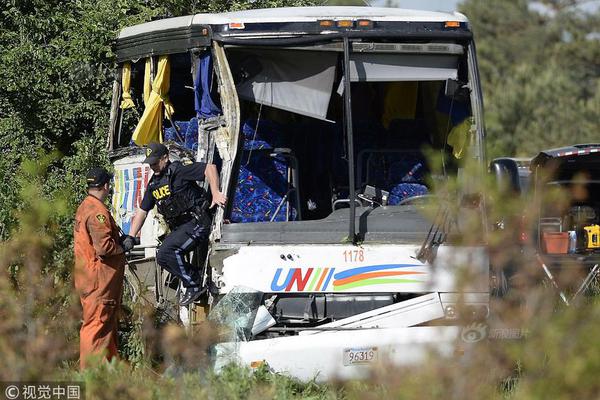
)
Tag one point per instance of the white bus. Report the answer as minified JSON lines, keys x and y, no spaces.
{"x":319,"y":119}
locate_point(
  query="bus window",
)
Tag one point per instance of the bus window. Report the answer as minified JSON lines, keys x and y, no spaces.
{"x":294,"y":163}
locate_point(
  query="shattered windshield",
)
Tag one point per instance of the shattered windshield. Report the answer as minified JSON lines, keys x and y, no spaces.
{"x":235,"y":314}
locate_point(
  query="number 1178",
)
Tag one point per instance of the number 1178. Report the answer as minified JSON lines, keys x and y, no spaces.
{"x":354,"y":255}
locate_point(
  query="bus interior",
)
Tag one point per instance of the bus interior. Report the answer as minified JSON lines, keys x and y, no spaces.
{"x":292,"y":164}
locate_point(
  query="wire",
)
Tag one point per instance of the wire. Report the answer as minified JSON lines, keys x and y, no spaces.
{"x":255,"y":128}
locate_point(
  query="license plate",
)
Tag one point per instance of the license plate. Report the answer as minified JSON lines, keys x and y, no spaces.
{"x":365,"y":355}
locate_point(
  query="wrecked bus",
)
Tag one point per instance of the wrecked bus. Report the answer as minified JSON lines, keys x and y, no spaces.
{"x":333,"y":128}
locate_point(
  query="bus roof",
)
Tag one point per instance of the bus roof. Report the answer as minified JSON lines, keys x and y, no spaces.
{"x":293,"y":14}
{"x":180,"y":34}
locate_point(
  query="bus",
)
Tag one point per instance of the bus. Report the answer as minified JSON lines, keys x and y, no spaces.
{"x":334,"y":130}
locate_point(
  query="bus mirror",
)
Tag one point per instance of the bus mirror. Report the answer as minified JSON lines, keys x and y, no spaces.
{"x":506,"y":174}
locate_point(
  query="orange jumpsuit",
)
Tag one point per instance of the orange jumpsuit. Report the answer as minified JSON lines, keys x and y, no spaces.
{"x":99,"y":272}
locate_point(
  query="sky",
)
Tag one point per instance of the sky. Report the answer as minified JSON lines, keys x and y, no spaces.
{"x":430,"y":5}
{"x":451,"y":5}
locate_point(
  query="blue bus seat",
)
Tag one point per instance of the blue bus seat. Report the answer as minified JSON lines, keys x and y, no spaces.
{"x":398,"y":171}
{"x":188,"y":133}
{"x":265,"y":180}
{"x":405,"y":178}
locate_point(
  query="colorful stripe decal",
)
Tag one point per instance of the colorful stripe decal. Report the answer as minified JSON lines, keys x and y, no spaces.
{"x":322,"y":277}
{"x":137,"y":173}
{"x":131,"y":190}
{"x":118,"y":196}
{"x":126,"y":187}
{"x":115,"y":208}
{"x":130,"y":184}
{"x":121,"y":189}
{"x":369,"y":275}
{"x":328,"y":279}
{"x":370,"y":268}
{"x":311,"y":287}
{"x":374,"y":275}
{"x":370,"y":282}
{"x":297,"y":279}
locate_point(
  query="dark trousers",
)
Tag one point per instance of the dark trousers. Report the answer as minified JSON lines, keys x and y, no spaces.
{"x":182,"y":240}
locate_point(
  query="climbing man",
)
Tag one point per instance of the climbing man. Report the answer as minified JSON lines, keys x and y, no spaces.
{"x":174,"y":190}
{"x":99,"y":269}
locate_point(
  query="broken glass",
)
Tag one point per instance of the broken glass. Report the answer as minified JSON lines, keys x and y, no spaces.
{"x":235,"y":314}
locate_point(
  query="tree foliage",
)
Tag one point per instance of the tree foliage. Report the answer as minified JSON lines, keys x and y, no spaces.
{"x":540,"y":71}
{"x":56,"y":64}
{"x":56,"y":84}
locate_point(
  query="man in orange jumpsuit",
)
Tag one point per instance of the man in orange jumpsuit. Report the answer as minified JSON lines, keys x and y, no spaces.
{"x":99,"y":269}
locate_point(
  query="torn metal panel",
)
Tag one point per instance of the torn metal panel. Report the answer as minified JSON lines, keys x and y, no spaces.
{"x":229,"y":133}
{"x":399,"y":315}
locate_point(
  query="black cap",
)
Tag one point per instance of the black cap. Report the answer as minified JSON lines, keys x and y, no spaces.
{"x":97,"y":177}
{"x":154,"y":152}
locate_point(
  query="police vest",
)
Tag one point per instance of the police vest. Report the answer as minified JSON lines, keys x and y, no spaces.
{"x":175,"y":202}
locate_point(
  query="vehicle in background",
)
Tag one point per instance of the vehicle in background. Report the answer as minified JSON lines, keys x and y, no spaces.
{"x":319,"y":119}
{"x":567,"y":233}
{"x":564,"y":187}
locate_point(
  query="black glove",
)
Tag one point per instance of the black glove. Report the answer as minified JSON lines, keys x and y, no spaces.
{"x":127,"y":242}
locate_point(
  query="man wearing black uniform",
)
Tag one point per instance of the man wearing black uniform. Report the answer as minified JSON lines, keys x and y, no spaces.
{"x":173,"y":189}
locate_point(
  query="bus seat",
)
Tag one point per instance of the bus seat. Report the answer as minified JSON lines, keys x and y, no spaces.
{"x":393,"y":170}
{"x":188,"y":133}
{"x":403,"y":191}
{"x":405,"y":178}
{"x":267,"y":181}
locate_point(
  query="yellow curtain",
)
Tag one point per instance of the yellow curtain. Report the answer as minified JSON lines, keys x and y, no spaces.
{"x":149,"y":128}
{"x":400,"y":102}
{"x":147,"y":84}
{"x":127,"y":101}
{"x":459,"y":136}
